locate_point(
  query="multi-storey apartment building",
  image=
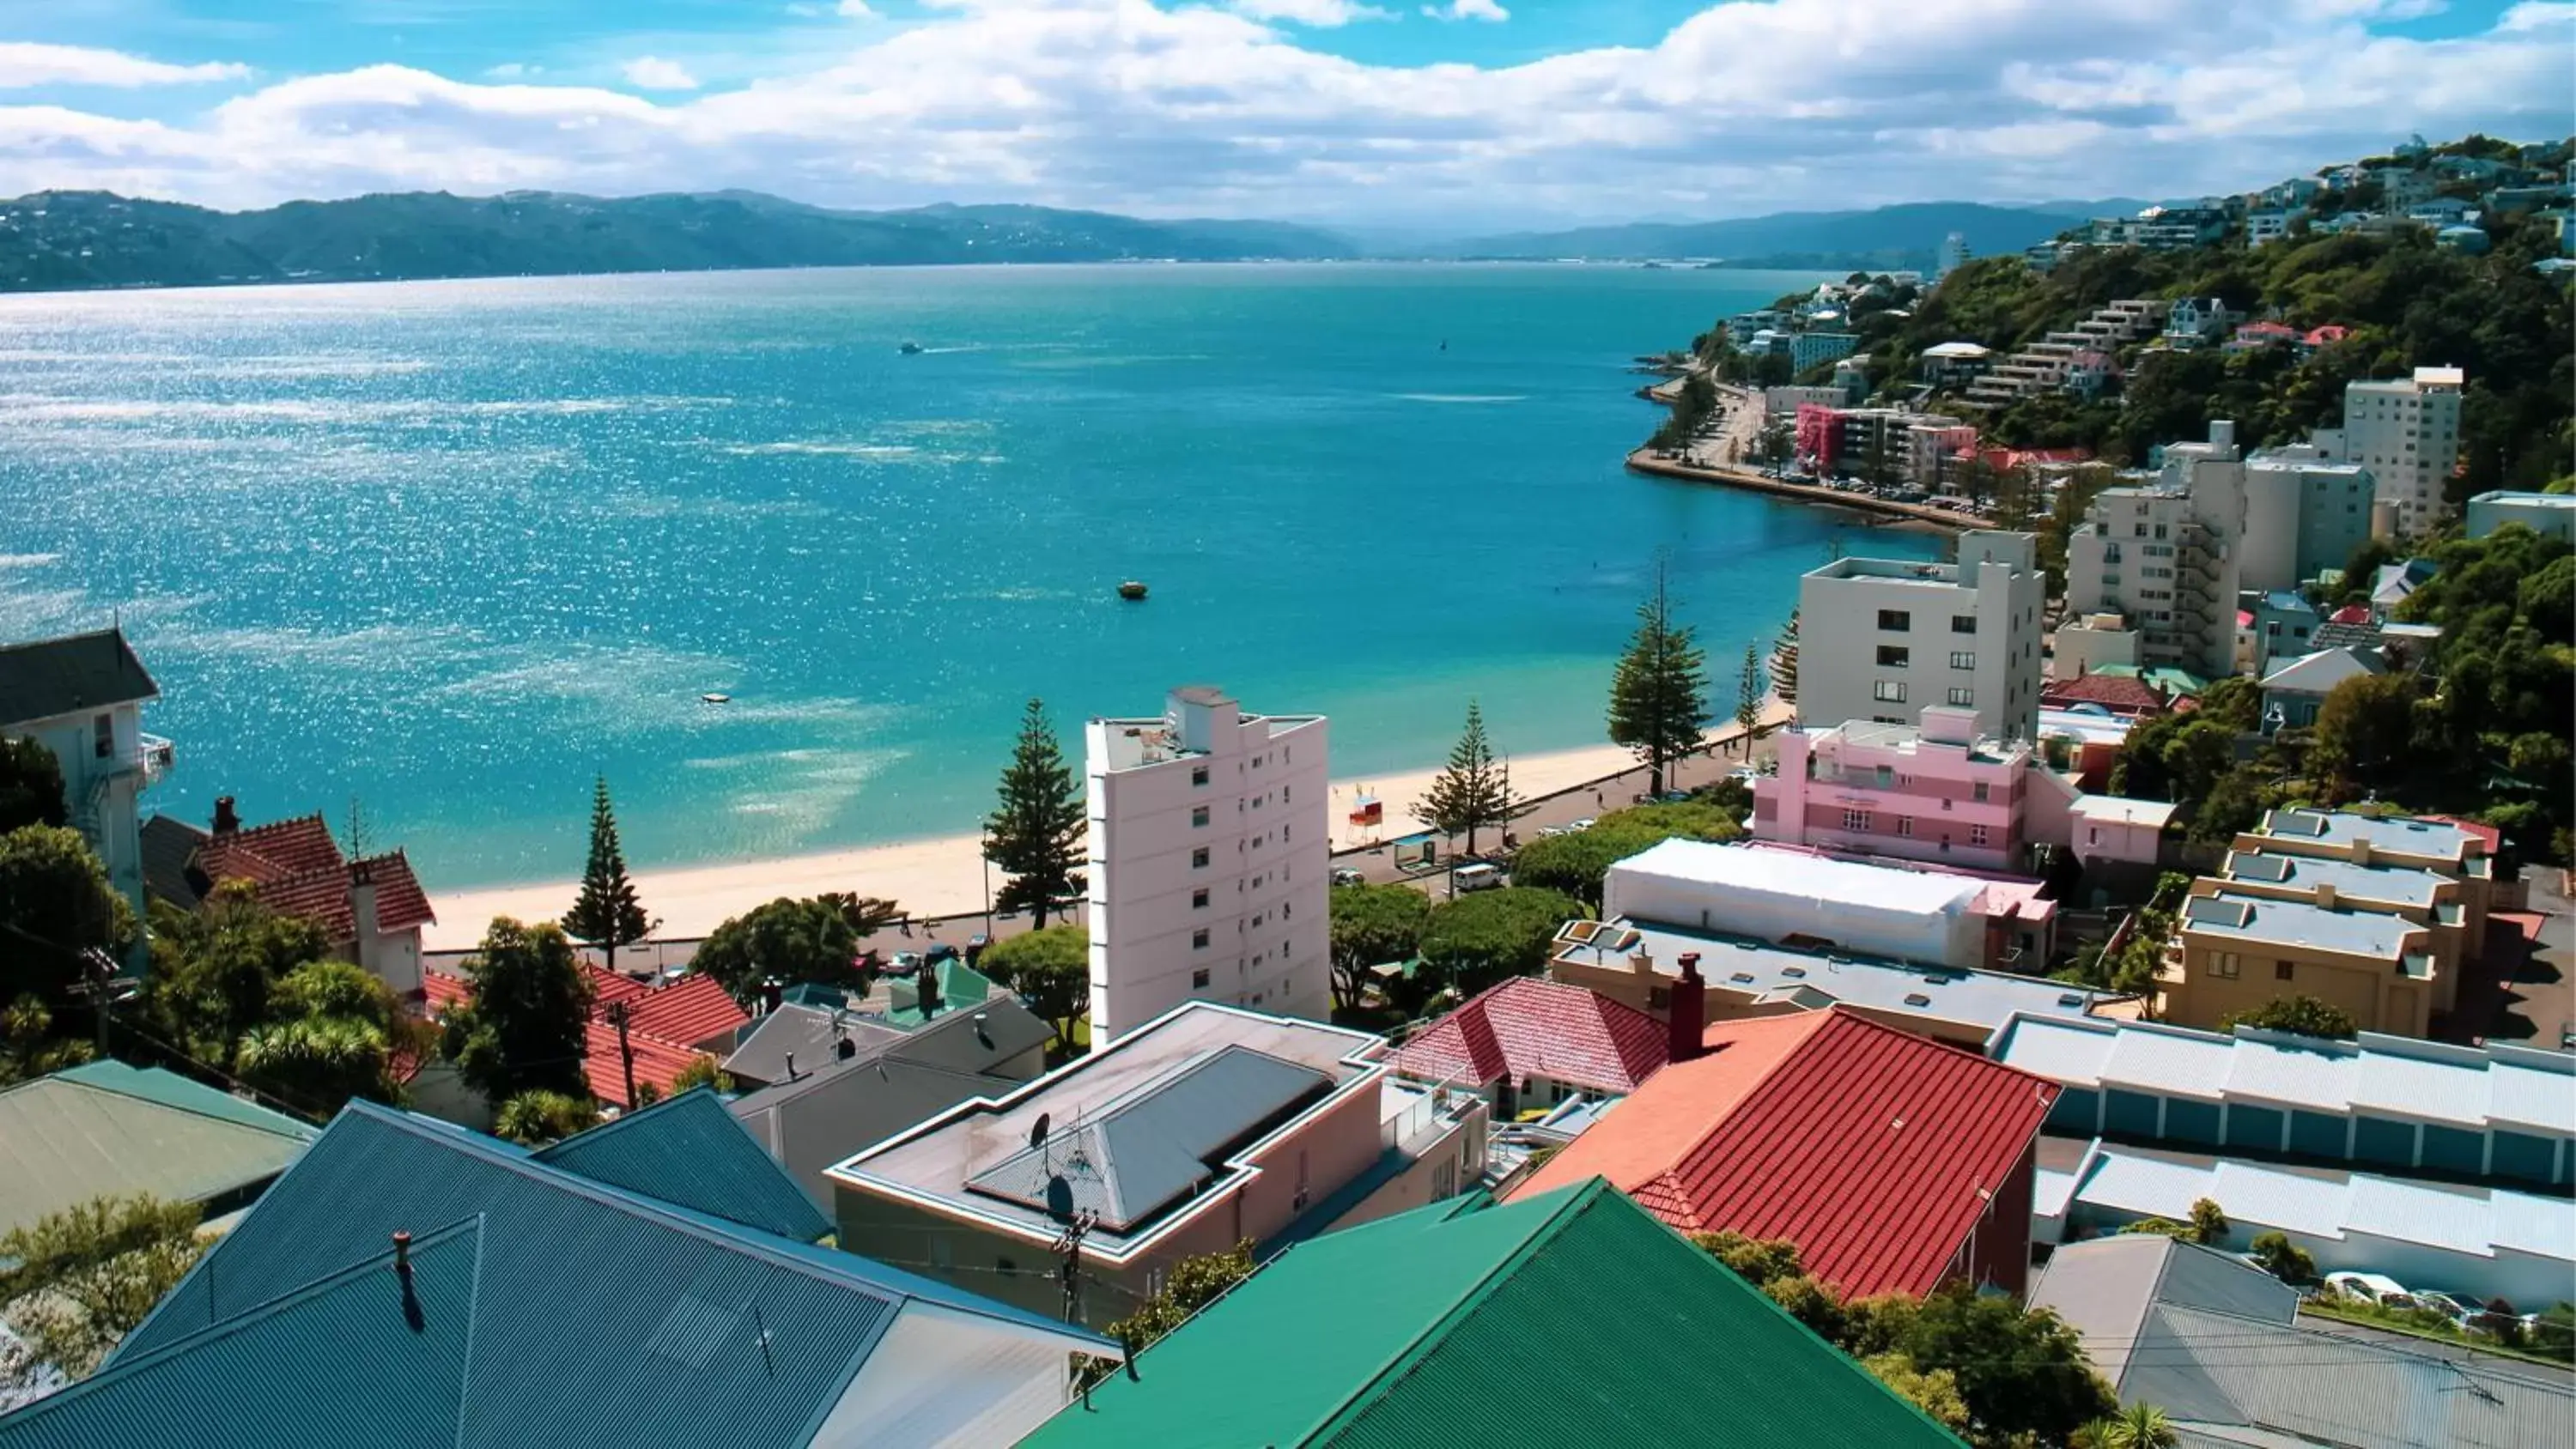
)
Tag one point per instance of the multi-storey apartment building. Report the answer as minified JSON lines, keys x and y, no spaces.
{"x":1880,"y":639}
{"x":81,"y":697}
{"x":2406,"y":431}
{"x":1209,"y":860}
{"x":1938,"y":792}
{"x":2166,"y":556}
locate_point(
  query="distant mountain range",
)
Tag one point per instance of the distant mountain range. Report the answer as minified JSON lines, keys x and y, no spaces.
{"x":53,"y":240}
{"x":78,"y":239}
{"x":1890,"y":236}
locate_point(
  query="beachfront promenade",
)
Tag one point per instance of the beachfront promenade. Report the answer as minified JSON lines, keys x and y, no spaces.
{"x":1644,"y":460}
{"x":942,"y":880}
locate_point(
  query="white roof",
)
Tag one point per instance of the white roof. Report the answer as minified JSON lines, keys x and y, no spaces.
{"x":1806,"y":877}
{"x":2120,"y":810}
{"x":2474,"y":1221}
{"x":2320,"y":672}
{"x":1957,"y":349}
{"x":2439,"y":377}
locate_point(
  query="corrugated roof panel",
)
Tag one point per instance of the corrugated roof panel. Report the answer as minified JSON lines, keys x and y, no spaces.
{"x":2414,"y":1087}
{"x":2171,"y":1062}
{"x":2282,"y":1198}
{"x":690,"y":1151}
{"x":2415,"y":1212}
{"x":2068,"y":1052}
{"x":108,"y":1128}
{"x":2529,"y":1097}
{"x":2318,"y":1076}
{"x":2530,"y":1224}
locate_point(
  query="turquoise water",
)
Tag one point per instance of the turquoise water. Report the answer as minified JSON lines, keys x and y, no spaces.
{"x":449,"y":548}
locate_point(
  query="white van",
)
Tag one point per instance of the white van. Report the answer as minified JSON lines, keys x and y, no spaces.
{"x":1474,"y":878}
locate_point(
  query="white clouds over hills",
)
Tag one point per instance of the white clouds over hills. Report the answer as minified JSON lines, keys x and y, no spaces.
{"x":1186,"y":109}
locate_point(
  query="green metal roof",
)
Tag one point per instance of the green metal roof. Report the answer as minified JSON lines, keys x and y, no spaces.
{"x":105,"y":1127}
{"x":1570,"y":1319}
{"x":959,"y":985}
{"x":689,"y":1151}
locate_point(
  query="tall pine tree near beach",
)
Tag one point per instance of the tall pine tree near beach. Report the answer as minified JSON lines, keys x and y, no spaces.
{"x":1748,"y":698}
{"x":1658,"y":695}
{"x":1471,"y":791}
{"x":607,"y":914}
{"x":1036,"y":834}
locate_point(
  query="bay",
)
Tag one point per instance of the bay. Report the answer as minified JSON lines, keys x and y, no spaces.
{"x":447,"y":549}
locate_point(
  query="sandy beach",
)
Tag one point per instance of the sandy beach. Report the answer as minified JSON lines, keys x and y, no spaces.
{"x":942,"y":876}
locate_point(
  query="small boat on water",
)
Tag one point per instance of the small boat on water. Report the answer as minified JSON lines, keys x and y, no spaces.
{"x":1131,"y":591}
{"x":910,"y":349}
{"x":715,"y":699}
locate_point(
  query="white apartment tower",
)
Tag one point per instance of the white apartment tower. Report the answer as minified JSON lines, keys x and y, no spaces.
{"x":1210,"y":856}
{"x":2406,"y":431}
{"x":2167,"y":557}
{"x":1880,"y":639}
{"x":1954,"y":255}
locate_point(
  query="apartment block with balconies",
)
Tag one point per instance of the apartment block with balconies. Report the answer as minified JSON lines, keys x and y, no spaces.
{"x":2233,"y":953}
{"x":2166,"y":556}
{"x":1881,"y":640}
{"x":82,"y":698}
{"x":1937,"y":792}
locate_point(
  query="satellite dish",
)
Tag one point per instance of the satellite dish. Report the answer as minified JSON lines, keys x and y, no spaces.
{"x":1038,"y":1131}
{"x":1059,"y":1198}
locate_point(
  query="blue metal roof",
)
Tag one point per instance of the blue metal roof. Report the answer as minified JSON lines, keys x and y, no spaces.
{"x":590,"y":1310}
{"x":689,"y":1151}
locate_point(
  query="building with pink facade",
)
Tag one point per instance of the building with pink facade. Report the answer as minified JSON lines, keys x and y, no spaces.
{"x":1936,"y":792}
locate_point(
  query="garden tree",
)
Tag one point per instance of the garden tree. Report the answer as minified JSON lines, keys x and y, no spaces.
{"x":2140,"y":1426}
{"x":31,"y":785}
{"x":1471,"y":792}
{"x":1050,"y":969}
{"x":537,"y":1116}
{"x":215,"y":970}
{"x":702,"y":1071}
{"x":1749,"y":687}
{"x":55,"y":906}
{"x":2131,"y":971}
{"x":865,"y":915}
{"x":2275,"y":1254}
{"x":2166,"y":758}
{"x":2362,"y":730}
{"x":1035,"y":835}
{"x":28,"y":1047}
{"x":2208,"y":1225}
{"x":527,"y":1027}
{"x":787,"y":941}
{"x":1935,"y":1391}
{"x":77,"y":1281}
{"x":607,"y":914}
{"x":332,"y":1033}
{"x":1485,"y":936}
{"x":1372,"y":925}
{"x":1658,"y":694}
{"x":2021,"y":1372}
{"x":1577,"y":862}
{"x":2304,"y":1015}
{"x":2233,"y":805}
{"x":1193,"y":1283}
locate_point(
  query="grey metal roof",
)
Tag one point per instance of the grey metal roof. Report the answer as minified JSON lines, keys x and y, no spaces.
{"x":107,"y":1128}
{"x":811,"y":1035}
{"x":2106,"y":1288}
{"x":51,"y":677}
{"x":169,"y":845}
{"x":816,"y":1121}
{"x":2395,"y":884}
{"x":1149,"y":1149}
{"x":2297,"y":923}
{"x":2394,"y":834}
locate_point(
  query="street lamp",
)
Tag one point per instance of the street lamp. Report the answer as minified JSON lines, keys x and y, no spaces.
{"x":987,"y":851}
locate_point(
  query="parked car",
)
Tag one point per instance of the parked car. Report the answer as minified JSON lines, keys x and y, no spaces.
{"x":1546,"y":831}
{"x":1474,"y":878}
{"x":1676,"y":797}
{"x":906,"y":963}
{"x":2459,"y":1311}
{"x":1586,"y":823}
{"x":2371,"y":1288}
{"x":1344,"y":875}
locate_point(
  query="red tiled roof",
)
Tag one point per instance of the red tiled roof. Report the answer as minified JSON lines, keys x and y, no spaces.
{"x":1527,"y":1027}
{"x":440,"y":991}
{"x":2350,"y":614}
{"x":655,"y":1014}
{"x":607,"y":986}
{"x":296,"y":869}
{"x":2327,"y":336}
{"x":2119,"y":693}
{"x":657,"y":1062}
{"x":2493,"y":835}
{"x":1870,"y":1148}
{"x":687,"y":1011}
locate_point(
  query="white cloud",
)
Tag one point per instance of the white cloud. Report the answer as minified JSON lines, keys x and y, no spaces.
{"x":26,"y":63}
{"x":512,"y":70}
{"x":855,"y":10}
{"x":1321,"y":14}
{"x":1468,"y":10}
{"x":653,"y":73}
{"x":1178,"y":108}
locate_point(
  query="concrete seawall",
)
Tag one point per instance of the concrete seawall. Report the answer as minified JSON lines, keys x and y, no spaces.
{"x":1644,"y":461}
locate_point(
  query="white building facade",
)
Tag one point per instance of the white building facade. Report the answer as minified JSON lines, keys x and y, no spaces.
{"x":1880,"y":639}
{"x":1210,"y":855}
{"x":2166,"y":557}
{"x":2406,"y":431}
{"x":82,"y":697}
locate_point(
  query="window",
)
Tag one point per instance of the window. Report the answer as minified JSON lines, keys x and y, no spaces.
{"x":103,"y":734}
{"x":1983,"y":792}
{"x":1895,"y":621}
{"x":1888,"y":691}
{"x":1287,"y":832}
{"x":1199,"y":939}
{"x":1963,"y":623}
{"x":1287,"y":909}
{"x":1287,"y":793}
{"x":2284,"y":971}
{"x":1199,"y":858}
{"x":1198,"y":899}
{"x":1198,"y":775}
{"x":1198,"y":817}
{"x":1855,"y":820}
{"x":1199,"y":979}
{"x":1893,"y":657}
{"x":1256,"y":841}
{"x":1976,"y":835}
{"x":1905,"y":825}
{"x":1256,"y":762}
{"x":1963,"y":696}
{"x":1886,"y":778}
{"x":1963,"y":659}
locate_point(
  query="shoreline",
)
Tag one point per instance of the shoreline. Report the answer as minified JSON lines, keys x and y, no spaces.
{"x":943,"y":876}
{"x":1643,"y":461}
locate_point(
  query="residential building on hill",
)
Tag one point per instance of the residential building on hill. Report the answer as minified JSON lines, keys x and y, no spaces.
{"x":1935,"y":792}
{"x":2502,"y":1114}
{"x":2233,"y":953}
{"x":2551,"y":515}
{"x":408,"y":1283}
{"x":1210,"y":855}
{"x":105,"y":1129}
{"x":2442,"y":846}
{"x":2303,"y":516}
{"x":2221,"y":1348}
{"x":2436,"y":902}
{"x":1530,"y":1042}
{"x":1894,"y":1163}
{"x":373,"y":909}
{"x":81,"y":697}
{"x":1882,"y":639}
{"x":1209,"y":1127}
{"x":2165,"y":558}
{"x":2406,"y":431}
{"x":1403,"y":1326}
{"x":1814,"y":349}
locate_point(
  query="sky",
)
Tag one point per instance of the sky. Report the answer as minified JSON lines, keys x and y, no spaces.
{"x":1450,"y":115}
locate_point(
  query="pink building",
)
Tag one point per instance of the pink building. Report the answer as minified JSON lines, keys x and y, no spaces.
{"x":1931,"y":792}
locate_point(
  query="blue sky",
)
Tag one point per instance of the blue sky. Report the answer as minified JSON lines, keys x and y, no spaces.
{"x":1428,"y":113}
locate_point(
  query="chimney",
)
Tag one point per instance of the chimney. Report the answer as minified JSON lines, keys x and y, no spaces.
{"x":402,"y":1253}
{"x":362,"y":912}
{"x":791,"y":1066}
{"x":926,"y":985}
{"x":1689,"y":1013}
{"x":2361,"y":851}
{"x":227,"y":819}
{"x":2325,"y":895}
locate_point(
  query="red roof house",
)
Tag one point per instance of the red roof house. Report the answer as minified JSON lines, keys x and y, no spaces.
{"x":2124,"y":695}
{"x":372,"y":908}
{"x":1529,"y":1034}
{"x":1895,"y":1164}
{"x":667,"y":1026}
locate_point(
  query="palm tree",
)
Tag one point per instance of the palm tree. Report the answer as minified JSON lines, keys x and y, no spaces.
{"x":2140,"y":1426}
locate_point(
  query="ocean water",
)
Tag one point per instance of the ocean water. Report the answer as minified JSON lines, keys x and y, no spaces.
{"x":446,"y":549}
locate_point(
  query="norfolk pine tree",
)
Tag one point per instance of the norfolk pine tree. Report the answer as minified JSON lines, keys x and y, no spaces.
{"x":607,"y":915}
{"x":1036,"y":834}
{"x":1470,"y":792}
{"x":1748,"y":698}
{"x":1658,"y":696}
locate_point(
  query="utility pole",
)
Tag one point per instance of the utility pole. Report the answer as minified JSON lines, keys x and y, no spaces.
{"x":618,"y":1016}
{"x":1068,"y":1246}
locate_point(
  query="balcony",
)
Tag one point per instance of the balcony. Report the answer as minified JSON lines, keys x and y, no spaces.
{"x":151,"y":758}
